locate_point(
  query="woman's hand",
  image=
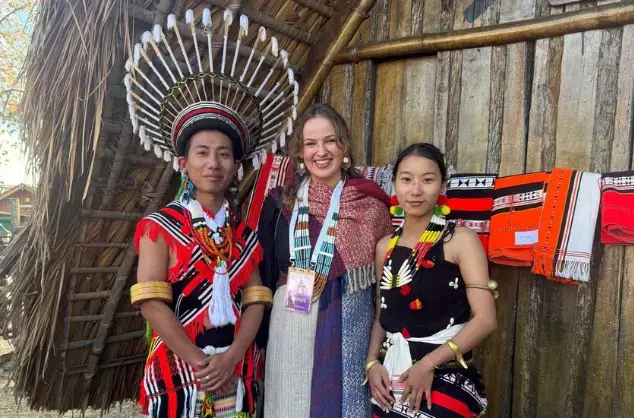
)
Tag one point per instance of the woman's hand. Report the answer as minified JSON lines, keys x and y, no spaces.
{"x":215,"y":371}
{"x":380,"y":386}
{"x":418,"y":380}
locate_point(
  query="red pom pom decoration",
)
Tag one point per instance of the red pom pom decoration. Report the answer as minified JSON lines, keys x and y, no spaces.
{"x":406,"y":290}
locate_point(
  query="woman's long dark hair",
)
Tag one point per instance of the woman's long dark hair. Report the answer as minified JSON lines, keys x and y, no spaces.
{"x":425,"y":150}
{"x":344,"y":140}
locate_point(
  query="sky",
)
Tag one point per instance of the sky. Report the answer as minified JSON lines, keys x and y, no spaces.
{"x":13,"y":169}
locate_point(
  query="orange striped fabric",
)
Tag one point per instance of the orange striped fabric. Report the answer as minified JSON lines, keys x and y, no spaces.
{"x":517,"y":208}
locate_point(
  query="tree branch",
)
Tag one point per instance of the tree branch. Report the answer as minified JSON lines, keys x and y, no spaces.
{"x":12,"y":12}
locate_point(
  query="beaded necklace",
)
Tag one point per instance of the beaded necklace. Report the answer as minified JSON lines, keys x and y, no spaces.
{"x":216,"y":241}
{"x":299,"y":238}
{"x":416,"y":259}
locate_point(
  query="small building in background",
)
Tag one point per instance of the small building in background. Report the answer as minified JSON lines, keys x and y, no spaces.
{"x":25,"y":196}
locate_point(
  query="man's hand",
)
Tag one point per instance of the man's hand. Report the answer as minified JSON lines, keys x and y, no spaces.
{"x":215,"y":371}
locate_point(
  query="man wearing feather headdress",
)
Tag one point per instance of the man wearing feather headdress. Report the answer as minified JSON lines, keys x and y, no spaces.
{"x":198,"y":283}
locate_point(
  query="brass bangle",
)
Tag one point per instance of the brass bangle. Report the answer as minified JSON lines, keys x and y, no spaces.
{"x":257,"y":294}
{"x":146,"y":291}
{"x":491,"y":286}
{"x":368,"y":366}
{"x":458,"y":354}
{"x":432,"y":364}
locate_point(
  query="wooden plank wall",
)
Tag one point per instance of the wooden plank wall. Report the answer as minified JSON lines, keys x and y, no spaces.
{"x":559,"y":351}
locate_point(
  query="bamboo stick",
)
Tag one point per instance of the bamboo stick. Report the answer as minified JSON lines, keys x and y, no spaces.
{"x":73,"y":345}
{"x":123,"y":273}
{"x":314,"y":81}
{"x":592,"y":18}
{"x":101,"y":245}
{"x":108,"y":364}
{"x":110,"y":214}
{"x":91,"y":318}
{"x":316,"y":6}
{"x":89,"y":295}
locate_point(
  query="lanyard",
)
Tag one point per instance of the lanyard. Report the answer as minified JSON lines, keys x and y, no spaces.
{"x":335,"y":199}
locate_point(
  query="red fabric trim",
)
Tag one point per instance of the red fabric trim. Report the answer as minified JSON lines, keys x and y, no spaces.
{"x":259,"y":193}
{"x":471,"y":205}
{"x":450,"y":403}
{"x":172,"y":397}
{"x":209,"y":109}
{"x":370,"y":188}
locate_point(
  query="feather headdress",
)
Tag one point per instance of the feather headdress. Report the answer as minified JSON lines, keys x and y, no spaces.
{"x":171,"y":95}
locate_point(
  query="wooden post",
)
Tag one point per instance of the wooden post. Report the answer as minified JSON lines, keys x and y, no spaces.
{"x":15,"y":215}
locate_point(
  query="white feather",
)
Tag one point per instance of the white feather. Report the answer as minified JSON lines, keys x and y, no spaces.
{"x":284,"y":55}
{"x":127,"y":81}
{"x":157,"y":33}
{"x":129,"y":99}
{"x":142,"y":134}
{"x":228,"y":17}
{"x":157,"y":151}
{"x":128,"y":65}
{"x":256,"y":162}
{"x":295,"y":100}
{"x":263,"y":156}
{"x":240,"y":172}
{"x":206,"y":17}
{"x":146,"y":38}
{"x":273,"y":146}
{"x":133,"y":119}
{"x":136,"y":56}
{"x":147,"y":145}
{"x":289,"y":127}
{"x":244,"y":24}
{"x":262,"y":33}
{"x":189,"y":16}
{"x":294,"y":113}
{"x":275,"y":47}
{"x":167,"y":156}
{"x":171,"y":22}
{"x":175,"y":165}
{"x":282,"y":139}
{"x":291,"y":76}
{"x":295,"y":88}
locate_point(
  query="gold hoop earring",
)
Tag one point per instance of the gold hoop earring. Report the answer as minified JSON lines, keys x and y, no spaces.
{"x":301,"y":169}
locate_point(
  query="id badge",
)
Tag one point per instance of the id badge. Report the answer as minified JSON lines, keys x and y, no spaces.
{"x":299,"y":290}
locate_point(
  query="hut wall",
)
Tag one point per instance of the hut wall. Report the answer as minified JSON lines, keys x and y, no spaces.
{"x":559,"y":350}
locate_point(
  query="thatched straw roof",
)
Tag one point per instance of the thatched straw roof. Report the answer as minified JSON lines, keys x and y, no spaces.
{"x":80,"y":342}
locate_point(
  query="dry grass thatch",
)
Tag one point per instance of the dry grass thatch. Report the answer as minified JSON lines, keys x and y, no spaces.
{"x":80,"y":342}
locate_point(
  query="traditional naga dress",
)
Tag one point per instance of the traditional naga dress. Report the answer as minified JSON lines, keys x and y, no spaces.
{"x":169,"y":388}
{"x":174,"y":93}
{"x":314,"y":360}
{"x":426,"y":310}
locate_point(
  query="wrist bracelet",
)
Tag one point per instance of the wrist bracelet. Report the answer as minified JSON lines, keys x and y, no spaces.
{"x":429,"y":361}
{"x":368,"y":366}
{"x":457,"y":352}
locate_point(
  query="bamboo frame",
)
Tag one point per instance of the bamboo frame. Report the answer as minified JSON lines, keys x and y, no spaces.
{"x":123,"y":272}
{"x":594,"y":18}
{"x":92,"y":318}
{"x":314,"y":81}
{"x":73,"y":345}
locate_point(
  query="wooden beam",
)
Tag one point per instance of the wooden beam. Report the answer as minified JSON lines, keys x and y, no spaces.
{"x":323,"y":59}
{"x":588,"y":19}
{"x":185,"y":31}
